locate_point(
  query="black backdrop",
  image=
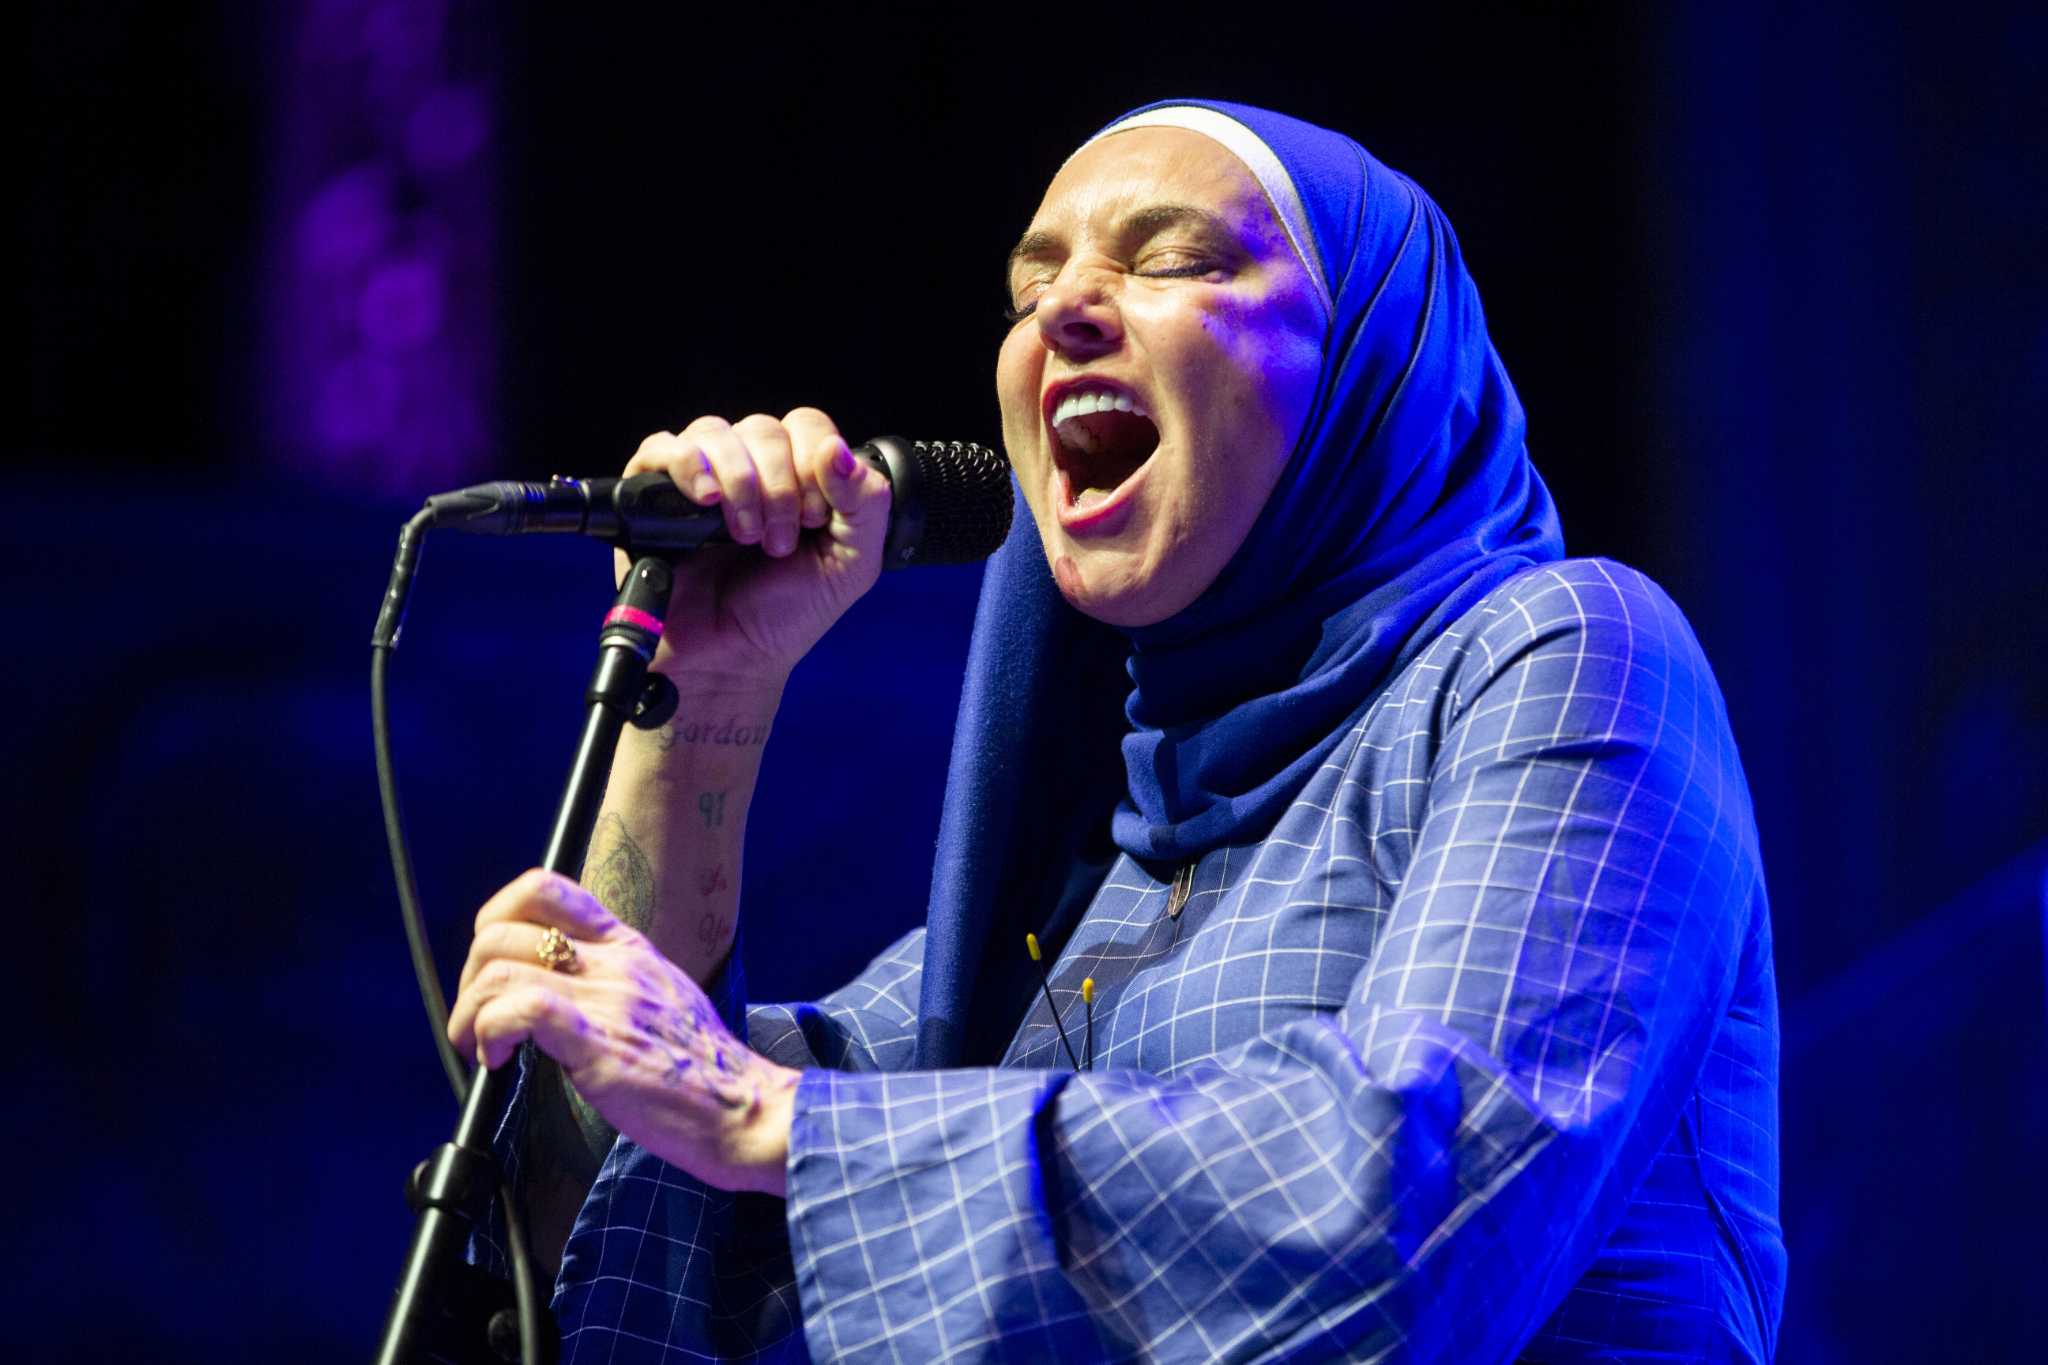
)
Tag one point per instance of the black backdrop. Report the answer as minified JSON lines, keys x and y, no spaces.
{"x":1768,"y":280}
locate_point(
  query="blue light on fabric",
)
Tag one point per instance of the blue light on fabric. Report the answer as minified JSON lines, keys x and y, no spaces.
{"x":1409,"y":495}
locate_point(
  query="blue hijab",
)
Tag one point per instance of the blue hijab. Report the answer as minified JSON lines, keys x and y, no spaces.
{"x":1408,"y":497}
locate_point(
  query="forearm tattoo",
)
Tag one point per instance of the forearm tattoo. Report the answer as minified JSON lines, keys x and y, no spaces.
{"x":622,"y":878}
{"x":730,"y":733}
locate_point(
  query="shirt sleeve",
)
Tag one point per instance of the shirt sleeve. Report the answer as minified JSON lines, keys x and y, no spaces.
{"x":869,"y":1024}
{"x":1421,"y":1174}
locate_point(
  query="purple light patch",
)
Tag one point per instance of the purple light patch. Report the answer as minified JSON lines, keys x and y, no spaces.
{"x":448,"y":128}
{"x":405,"y":33}
{"x":401,"y":305}
{"x":348,"y":219}
{"x":358,"y":405}
{"x":381,"y":286}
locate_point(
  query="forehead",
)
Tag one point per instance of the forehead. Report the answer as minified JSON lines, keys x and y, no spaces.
{"x":1127,"y":172}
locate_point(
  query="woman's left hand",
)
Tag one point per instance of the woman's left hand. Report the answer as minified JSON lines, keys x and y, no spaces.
{"x":635,"y":1036}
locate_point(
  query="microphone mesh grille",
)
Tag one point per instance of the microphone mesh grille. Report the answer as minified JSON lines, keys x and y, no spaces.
{"x":967,"y":501}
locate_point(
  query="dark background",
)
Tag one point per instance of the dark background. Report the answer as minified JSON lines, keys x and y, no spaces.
{"x":1769,"y":280}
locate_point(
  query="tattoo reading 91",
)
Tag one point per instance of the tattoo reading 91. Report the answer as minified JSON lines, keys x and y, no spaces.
{"x":711,"y":805}
{"x":731,"y":733}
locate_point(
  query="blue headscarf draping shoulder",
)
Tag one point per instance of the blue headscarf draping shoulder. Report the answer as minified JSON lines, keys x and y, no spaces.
{"x":1408,"y":497}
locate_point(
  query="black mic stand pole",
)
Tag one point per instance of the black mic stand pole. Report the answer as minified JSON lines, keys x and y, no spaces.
{"x":432,"y":1311}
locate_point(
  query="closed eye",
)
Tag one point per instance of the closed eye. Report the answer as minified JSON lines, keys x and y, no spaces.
{"x":1017,"y":312}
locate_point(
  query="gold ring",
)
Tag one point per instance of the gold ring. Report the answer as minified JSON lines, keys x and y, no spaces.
{"x":555,"y":951}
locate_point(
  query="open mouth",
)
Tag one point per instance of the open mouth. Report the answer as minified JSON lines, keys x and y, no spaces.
{"x":1101,"y":437}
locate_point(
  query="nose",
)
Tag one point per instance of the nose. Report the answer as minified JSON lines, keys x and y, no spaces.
{"x":1077,"y":314}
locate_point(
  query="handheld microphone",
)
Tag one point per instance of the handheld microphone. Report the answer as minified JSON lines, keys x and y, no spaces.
{"x":949,"y":504}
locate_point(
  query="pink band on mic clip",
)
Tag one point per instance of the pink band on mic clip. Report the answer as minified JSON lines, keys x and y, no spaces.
{"x":633,"y":616}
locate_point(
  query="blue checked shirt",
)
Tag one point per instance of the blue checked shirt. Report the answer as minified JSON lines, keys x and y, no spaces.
{"x":1473,"y":1057}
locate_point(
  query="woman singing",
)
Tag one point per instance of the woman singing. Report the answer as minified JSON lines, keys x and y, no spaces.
{"x":1410,"y":866}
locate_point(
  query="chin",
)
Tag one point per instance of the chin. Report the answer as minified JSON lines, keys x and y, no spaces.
{"x":1116,"y":594}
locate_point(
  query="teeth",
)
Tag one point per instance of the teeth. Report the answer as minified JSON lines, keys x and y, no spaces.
{"x":1083,"y":402}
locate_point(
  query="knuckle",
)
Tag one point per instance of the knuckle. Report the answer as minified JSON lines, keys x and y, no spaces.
{"x":541,"y":1007}
{"x":667,"y":460}
{"x":708,"y":424}
{"x":504,"y":943}
{"x":512,"y":1012}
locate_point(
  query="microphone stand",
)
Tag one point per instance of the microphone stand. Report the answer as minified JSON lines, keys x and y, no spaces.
{"x":441,"y":1310}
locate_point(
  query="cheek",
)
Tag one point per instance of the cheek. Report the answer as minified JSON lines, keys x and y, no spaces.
{"x":1274,"y":365}
{"x":1295,"y":363}
{"x":1016,"y":379}
{"x":1018,"y":371}
{"x":1295,"y":342}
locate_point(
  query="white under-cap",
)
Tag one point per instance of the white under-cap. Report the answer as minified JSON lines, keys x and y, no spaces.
{"x":1242,"y":143}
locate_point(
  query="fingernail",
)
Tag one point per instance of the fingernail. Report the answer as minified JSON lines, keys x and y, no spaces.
{"x":746,"y":526}
{"x":843,"y":462}
{"x":780,"y":542}
{"x":704,"y":490}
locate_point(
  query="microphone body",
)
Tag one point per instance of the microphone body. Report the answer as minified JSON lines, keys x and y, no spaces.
{"x":949,"y":504}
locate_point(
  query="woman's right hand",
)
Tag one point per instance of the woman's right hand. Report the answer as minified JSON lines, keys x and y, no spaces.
{"x":807,"y":519}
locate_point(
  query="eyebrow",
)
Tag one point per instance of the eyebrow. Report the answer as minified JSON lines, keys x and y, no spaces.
{"x":1144,"y":222}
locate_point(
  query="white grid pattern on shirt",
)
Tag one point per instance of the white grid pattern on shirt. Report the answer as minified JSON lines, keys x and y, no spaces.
{"x":1390,"y":1083}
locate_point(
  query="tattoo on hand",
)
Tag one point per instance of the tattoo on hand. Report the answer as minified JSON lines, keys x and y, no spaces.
{"x":622,"y":879}
{"x":711,"y":805}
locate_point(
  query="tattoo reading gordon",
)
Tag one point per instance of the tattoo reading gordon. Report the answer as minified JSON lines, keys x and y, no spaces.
{"x":730,"y":733}
{"x":623,"y":879}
